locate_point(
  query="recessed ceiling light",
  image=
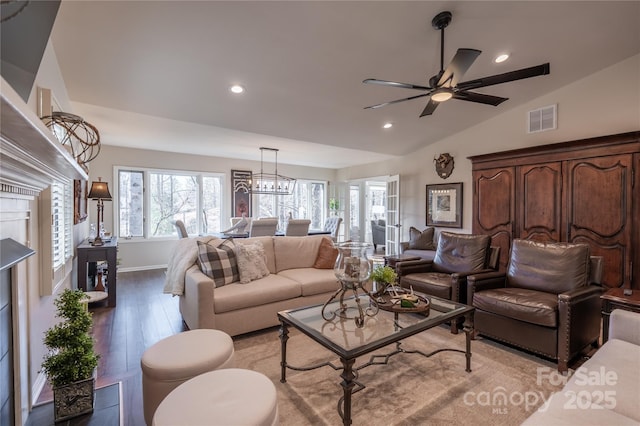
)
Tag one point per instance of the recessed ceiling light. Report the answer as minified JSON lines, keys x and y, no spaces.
{"x":387,"y":125}
{"x":236,"y":88}
{"x":501,"y":58}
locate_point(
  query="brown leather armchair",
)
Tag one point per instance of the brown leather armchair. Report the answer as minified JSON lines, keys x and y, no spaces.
{"x":544,"y":303}
{"x":457,"y":256}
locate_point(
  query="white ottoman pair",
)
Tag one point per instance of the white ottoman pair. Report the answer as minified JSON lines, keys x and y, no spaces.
{"x":223,"y":397}
{"x":178,"y":358}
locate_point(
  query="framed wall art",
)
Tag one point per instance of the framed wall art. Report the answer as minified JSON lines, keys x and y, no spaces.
{"x":79,"y":201}
{"x":240,"y":193}
{"x":444,"y":205}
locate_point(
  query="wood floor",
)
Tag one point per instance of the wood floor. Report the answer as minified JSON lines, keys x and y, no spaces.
{"x":143,"y":316}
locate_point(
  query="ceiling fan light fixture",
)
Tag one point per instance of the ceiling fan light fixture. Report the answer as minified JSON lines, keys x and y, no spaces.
{"x":501,"y":58}
{"x":441,"y":95}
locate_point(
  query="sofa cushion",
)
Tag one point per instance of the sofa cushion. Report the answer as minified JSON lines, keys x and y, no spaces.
{"x":251,"y":262}
{"x":421,"y":240}
{"x":612,"y":372}
{"x":531,"y":306}
{"x":562,"y":409}
{"x":219,"y":262}
{"x":327,"y":255}
{"x":434,"y":283}
{"x":550,"y":267}
{"x":313,"y":281}
{"x":296,"y":252}
{"x":269,"y":289}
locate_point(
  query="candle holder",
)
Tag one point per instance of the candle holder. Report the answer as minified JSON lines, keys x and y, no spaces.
{"x":352,"y":269}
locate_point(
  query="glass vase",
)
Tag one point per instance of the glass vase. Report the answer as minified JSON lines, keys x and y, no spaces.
{"x":353,"y":269}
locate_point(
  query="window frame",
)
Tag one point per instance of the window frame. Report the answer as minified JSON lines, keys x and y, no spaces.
{"x":56,"y":236}
{"x":146,"y":202}
{"x":283,"y":215}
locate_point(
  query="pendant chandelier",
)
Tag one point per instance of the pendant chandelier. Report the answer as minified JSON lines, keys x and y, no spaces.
{"x":270,"y":183}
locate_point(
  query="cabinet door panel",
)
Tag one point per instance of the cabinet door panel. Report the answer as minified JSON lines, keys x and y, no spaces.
{"x":493,"y":200}
{"x":540,"y":209}
{"x":599,"y":212}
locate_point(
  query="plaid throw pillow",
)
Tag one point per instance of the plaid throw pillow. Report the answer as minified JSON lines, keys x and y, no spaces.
{"x":219,"y":263}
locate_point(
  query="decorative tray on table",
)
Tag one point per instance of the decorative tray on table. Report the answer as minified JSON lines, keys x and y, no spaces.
{"x":396,"y":299}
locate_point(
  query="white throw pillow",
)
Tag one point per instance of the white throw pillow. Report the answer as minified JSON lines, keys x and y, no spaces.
{"x":252,"y":262}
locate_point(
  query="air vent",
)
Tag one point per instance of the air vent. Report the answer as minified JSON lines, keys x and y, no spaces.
{"x":543,"y":119}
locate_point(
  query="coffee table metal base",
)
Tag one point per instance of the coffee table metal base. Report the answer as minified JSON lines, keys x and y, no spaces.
{"x":349,"y":374}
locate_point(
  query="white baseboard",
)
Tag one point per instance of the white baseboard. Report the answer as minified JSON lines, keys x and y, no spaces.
{"x":142,"y":268}
{"x":38,"y":385}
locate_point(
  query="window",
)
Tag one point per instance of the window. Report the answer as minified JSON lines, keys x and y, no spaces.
{"x":164,"y":196}
{"x":308,"y":201}
{"x":61,"y":224}
{"x":56,"y":236}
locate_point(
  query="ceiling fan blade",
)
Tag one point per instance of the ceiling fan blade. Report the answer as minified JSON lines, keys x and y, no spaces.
{"x":431,"y":106}
{"x":506,"y":77}
{"x":459,"y":65}
{"x":395,"y":84}
{"x":397,"y":100}
{"x":479,"y":98}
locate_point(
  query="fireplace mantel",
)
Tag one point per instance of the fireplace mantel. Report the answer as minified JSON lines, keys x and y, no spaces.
{"x":30,"y":155}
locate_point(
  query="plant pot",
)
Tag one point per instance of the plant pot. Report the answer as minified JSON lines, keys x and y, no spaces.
{"x":73,"y":400}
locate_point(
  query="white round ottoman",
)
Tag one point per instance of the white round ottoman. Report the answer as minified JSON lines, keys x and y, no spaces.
{"x":178,"y":358}
{"x":223,"y":397}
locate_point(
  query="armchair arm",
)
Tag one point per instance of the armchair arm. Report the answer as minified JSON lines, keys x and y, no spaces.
{"x":467,"y":274}
{"x":625,"y":325}
{"x":579,"y":294}
{"x":414,"y":266}
{"x":404,"y":245}
{"x":484,"y":281}
{"x":579,"y":321}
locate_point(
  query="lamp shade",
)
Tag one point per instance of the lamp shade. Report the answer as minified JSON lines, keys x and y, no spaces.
{"x":99,"y":191}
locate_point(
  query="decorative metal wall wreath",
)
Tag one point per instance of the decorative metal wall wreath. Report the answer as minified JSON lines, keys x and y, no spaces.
{"x":81,"y":138}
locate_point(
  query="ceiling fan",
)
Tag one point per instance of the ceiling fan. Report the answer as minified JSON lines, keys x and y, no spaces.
{"x":445,"y":85}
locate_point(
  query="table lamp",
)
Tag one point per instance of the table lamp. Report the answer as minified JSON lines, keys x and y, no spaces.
{"x":99,"y":191}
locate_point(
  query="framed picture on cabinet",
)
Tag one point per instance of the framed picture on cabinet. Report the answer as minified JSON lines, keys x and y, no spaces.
{"x":240,"y":193}
{"x":444,"y":205}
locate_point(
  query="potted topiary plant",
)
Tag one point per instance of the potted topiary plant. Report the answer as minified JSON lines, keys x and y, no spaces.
{"x":383,"y":276}
{"x":72,"y":360}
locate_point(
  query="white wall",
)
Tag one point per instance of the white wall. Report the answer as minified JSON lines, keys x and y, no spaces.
{"x":607,"y":102}
{"x":41,"y":311}
{"x":149,"y":254}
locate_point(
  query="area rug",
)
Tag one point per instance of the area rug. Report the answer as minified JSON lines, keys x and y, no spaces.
{"x":504,"y":387}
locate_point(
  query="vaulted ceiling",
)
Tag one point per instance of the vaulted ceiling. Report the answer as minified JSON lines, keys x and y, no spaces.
{"x":156,"y":74}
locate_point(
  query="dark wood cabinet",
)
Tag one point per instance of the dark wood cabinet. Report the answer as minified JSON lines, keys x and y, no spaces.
{"x":581,"y":191}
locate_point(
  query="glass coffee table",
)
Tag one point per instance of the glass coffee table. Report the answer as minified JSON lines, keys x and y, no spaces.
{"x":348,"y":342}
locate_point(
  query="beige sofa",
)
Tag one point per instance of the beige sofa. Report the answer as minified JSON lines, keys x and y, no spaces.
{"x":605,"y":390}
{"x":240,"y":308}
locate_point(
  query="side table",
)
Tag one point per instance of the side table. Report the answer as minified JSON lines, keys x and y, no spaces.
{"x":90,"y":253}
{"x":615,"y":299}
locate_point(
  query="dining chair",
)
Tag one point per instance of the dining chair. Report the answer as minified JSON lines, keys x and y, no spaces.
{"x":297,"y":227}
{"x":263,"y":227}
{"x":182,"y":230}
